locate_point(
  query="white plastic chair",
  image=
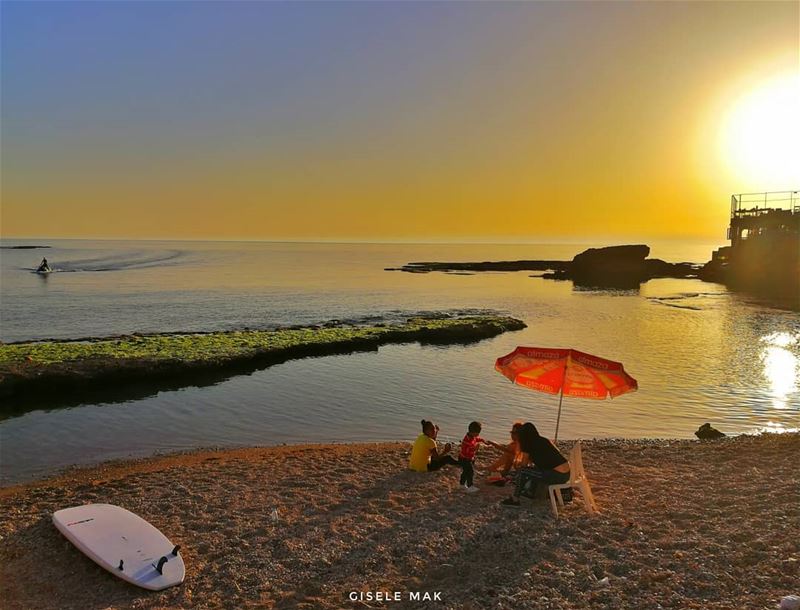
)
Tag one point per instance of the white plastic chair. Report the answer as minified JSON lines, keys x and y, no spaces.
{"x":577,"y":480}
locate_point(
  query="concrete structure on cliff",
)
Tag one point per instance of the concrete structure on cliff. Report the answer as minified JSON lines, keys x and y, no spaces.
{"x":774,"y":216}
{"x":764,"y":255}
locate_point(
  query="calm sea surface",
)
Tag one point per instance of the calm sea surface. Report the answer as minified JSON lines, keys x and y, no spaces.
{"x":699,"y":352}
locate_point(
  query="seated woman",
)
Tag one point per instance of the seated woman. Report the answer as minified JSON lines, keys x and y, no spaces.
{"x":550,"y":467}
{"x":512,"y":457}
{"x":425,"y":456}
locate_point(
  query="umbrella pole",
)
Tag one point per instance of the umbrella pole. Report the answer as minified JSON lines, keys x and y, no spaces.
{"x":558,"y":420}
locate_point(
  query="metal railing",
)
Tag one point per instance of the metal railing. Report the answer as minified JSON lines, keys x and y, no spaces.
{"x":755,"y":204}
{"x":754,"y":213}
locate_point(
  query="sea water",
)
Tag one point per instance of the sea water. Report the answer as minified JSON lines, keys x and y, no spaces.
{"x":699,"y":352}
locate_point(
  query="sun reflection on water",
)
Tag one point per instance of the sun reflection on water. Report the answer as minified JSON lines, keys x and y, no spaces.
{"x":780,"y":367}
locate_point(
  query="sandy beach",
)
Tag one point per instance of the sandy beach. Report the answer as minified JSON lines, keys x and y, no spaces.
{"x":684,"y":524}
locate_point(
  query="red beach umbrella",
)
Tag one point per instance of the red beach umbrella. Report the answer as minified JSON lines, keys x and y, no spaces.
{"x":567,"y":372}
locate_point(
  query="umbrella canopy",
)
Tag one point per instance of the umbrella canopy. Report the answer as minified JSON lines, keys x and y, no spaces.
{"x":567,"y":372}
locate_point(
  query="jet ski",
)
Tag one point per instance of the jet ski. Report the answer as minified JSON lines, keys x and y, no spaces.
{"x":43,"y":269}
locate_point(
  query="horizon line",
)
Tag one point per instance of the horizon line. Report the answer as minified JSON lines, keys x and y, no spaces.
{"x":373,"y":241}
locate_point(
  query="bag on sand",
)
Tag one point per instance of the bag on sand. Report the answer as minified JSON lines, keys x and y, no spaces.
{"x":531,"y":489}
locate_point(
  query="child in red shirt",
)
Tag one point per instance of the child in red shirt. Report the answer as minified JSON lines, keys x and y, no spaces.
{"x":466,"y":457}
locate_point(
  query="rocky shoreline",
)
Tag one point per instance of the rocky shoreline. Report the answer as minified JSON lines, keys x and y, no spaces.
{"x":761,"y":267}
{"x":610,"y":267}
{"x":53,"y":373}
{"x":529,"y":265}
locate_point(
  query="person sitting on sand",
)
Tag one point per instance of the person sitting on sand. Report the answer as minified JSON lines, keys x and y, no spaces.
{"x":425,"y":456}
{"x":550,"y":467}
{"x":511,"y":457}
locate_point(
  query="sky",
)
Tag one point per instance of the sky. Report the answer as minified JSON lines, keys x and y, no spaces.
{"x":401,"y":121}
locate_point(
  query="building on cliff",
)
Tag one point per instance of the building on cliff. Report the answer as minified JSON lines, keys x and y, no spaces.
{"x":764,"y":255}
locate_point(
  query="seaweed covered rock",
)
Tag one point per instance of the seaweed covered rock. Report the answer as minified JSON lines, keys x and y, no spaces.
{"x":43,"y":374}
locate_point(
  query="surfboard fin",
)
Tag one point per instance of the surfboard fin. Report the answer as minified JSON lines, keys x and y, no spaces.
{"x":120,"y":565}
{"x":176,"y":549}
{"x":160,"y":567}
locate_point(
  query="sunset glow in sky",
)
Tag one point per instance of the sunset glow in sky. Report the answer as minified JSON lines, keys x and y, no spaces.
{"x":397,"y":121}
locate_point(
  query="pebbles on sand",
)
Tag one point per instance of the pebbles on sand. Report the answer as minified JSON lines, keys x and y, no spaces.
{"x":684,"y":524}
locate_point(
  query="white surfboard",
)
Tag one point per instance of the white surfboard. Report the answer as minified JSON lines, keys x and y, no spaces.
{"x":123,"y":543}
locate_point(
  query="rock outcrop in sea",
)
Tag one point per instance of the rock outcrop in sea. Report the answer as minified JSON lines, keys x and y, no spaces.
{"x":619,"y":267}
{"x":612,"y":267}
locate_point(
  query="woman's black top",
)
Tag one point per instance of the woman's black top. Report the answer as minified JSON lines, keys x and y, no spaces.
{"x":543,"y":453}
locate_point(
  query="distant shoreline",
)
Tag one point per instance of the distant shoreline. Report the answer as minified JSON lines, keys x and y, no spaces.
{"x":23,"y":247}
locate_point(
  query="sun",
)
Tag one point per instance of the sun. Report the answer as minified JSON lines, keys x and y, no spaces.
{"x":760,"y":135}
